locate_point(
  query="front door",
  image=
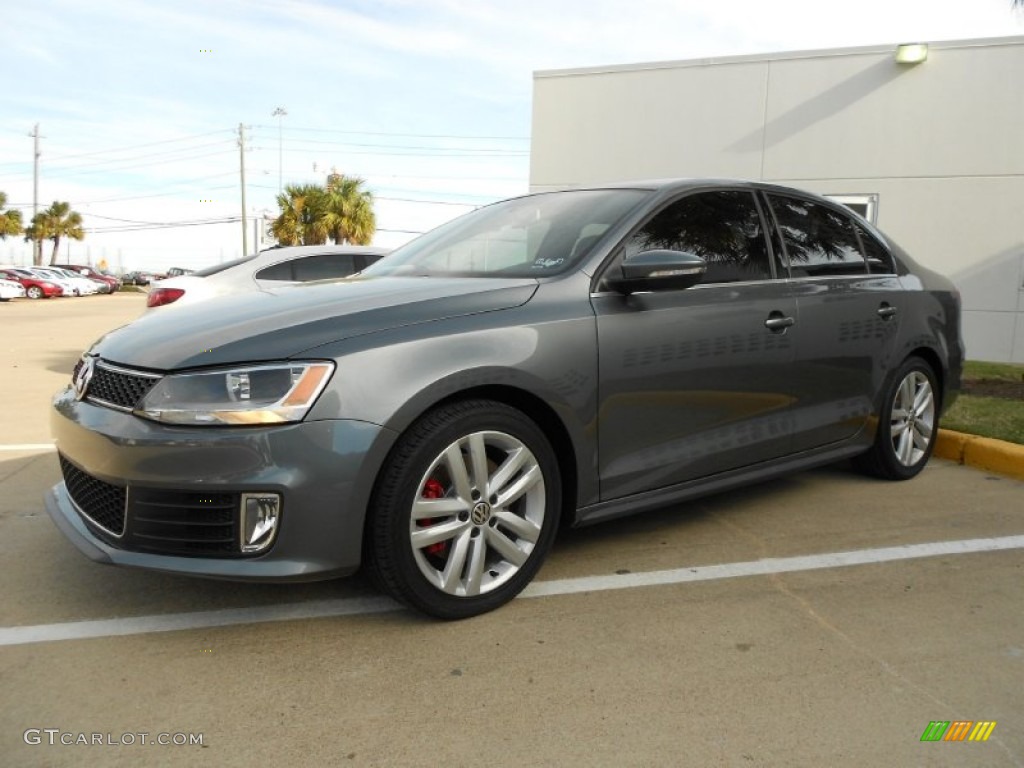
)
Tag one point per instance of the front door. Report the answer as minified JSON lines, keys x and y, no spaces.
{"x":698,"y":381}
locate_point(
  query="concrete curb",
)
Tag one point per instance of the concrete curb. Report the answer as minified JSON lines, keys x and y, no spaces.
{"x":981,"y":452}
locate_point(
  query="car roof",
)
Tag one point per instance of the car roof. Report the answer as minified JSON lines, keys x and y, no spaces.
{"x":271,"y":256}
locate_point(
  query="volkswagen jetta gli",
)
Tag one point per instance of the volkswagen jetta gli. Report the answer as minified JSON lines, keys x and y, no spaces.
{"x":566,"y":357}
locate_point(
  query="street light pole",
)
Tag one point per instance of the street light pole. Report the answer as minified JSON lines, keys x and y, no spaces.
{"x":279,"y":113}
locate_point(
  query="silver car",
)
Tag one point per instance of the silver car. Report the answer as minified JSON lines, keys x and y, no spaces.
{"x":560,"y":358}
{"x":267,"y":269}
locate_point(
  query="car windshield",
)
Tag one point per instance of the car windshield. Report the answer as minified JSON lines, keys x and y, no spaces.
{"x":530,"y":236}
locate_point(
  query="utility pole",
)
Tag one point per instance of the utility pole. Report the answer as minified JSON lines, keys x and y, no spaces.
{"x":241,"y":160}
{"x":279,"y":113}
{"x":37,"y":245}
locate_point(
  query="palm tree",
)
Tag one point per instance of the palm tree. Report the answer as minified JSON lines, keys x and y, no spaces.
{"x":301,"y":221}
{"x":55,"y":222}
{"x":36,"y":232}
{"x":349,"y":217}
{"x":10,"y":221}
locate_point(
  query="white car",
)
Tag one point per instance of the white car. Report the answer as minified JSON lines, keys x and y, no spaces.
{"x":11,"y":290}
{"x":271,"y":268}
{"x":81,"y":285}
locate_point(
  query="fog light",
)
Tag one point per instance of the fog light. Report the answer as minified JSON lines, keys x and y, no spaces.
{"x":261,"y":513}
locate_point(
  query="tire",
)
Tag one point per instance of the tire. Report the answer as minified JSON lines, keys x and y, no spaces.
{"x":446,"y":543}
{"x":34,"y":292}
{"x":907,"y":426}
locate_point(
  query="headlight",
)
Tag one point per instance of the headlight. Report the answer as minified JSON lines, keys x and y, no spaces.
{"x":259,"y":394}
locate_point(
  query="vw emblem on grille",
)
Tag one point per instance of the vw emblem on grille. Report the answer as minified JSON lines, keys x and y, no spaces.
{"x":481,"y":513}
{"x":83,"y":376}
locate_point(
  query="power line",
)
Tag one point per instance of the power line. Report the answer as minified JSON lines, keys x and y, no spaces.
{"x":166,"y":225}
{"x":126,"y":149}
{"x":403,"y":135}
{"x":147,"y":156}
{"x":410,"y":146}
{"x":142,"y":146}
{"x":143,"y":165}
{"x":437,"y":154}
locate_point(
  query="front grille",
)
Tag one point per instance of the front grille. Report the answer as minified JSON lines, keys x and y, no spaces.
{"x":118,"y":387}
{"x":101,"y":503}
{"x":183,"y":523}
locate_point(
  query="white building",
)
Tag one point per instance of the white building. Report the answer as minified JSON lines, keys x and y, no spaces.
{"x":933,"y":151}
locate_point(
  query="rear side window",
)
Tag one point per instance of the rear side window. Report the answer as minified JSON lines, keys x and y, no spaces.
{"x":879,"y":259}
{"x":724,"y":228}
{"x":323,"y":266}
{"x":819,"y":241}
{"x":282,"y":271}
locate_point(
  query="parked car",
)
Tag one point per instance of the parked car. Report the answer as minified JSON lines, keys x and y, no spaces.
{"x":569,"y":356}
{"x":112,"y":283}
{"x":82,"y":285}
{"x":11,"y":289}
{"x":72,"y":286}
{"x":273,"y":267}
{"x":36,"y":287}
{"x":138,"y":278}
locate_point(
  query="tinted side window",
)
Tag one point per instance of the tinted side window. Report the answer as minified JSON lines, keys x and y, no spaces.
{"x":282,"y":271}
{"x":879,"y":259}
{"x":819,"y":241}
{"x":723,"y":228}
{"x":324,"y":266}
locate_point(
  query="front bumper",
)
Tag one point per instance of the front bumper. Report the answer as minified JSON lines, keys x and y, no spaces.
{"x":323,"y":470}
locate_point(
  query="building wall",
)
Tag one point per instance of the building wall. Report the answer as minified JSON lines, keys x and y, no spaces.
{"x":941,"y":143}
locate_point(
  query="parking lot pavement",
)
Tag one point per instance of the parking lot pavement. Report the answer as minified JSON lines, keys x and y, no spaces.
{"x":839,"y":665}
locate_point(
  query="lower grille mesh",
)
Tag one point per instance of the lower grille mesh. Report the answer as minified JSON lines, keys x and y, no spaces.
{"x":102,"y":502}
{"x":184,"y":523}
{"x":164,"y":522}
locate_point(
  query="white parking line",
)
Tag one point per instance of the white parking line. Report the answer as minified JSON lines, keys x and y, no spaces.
{"x":28,"y":447}
{"x":139,"y":625}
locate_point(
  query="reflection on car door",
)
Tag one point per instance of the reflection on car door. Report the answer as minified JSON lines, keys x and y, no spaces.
{"x":693,"y":382}
{"x":848,"y":301}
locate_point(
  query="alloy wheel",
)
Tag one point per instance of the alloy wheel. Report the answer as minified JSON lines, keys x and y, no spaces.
{"x":478,"y":513}
{"x":912,"y":420}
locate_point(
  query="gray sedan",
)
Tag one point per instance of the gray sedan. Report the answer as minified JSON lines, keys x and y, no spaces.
{"x":560,"y":358}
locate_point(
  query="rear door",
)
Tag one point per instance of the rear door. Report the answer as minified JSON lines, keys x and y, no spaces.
{"x":848,"y":304}
{"x":698,"y":381}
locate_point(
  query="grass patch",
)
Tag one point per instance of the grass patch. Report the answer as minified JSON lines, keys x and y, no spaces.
{"x":991,"y":403}
{"x":987,"y":416}
{"x":974,"y":370}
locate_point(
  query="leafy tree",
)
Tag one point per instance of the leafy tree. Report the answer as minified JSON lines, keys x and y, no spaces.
{"x":56,"y":222}
{"x":10,"y":221}
{"x":301,"y":222}
{"x":342,"y":211}
{"x":349,"y":217}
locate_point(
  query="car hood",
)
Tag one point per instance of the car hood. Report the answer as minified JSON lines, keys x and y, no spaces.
{"x":282,"y":323}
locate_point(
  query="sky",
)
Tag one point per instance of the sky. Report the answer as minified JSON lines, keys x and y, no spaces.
{"x":139,"y":102}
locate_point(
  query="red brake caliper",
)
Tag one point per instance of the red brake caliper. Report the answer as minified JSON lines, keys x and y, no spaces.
{"x":434,"y":490}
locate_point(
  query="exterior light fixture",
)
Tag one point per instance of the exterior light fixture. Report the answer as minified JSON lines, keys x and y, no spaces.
{"x":911,"y":53}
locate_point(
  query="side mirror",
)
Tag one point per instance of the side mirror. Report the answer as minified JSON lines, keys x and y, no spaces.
{"x":657,"y":271}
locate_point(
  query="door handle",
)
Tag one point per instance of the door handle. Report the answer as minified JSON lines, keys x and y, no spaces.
{"x":778,"y":322}
{"x":886,"y":311}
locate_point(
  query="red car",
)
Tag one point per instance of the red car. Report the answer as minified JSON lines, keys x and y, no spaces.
{"x":35,"y":287}
{"x":112,"y":283}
